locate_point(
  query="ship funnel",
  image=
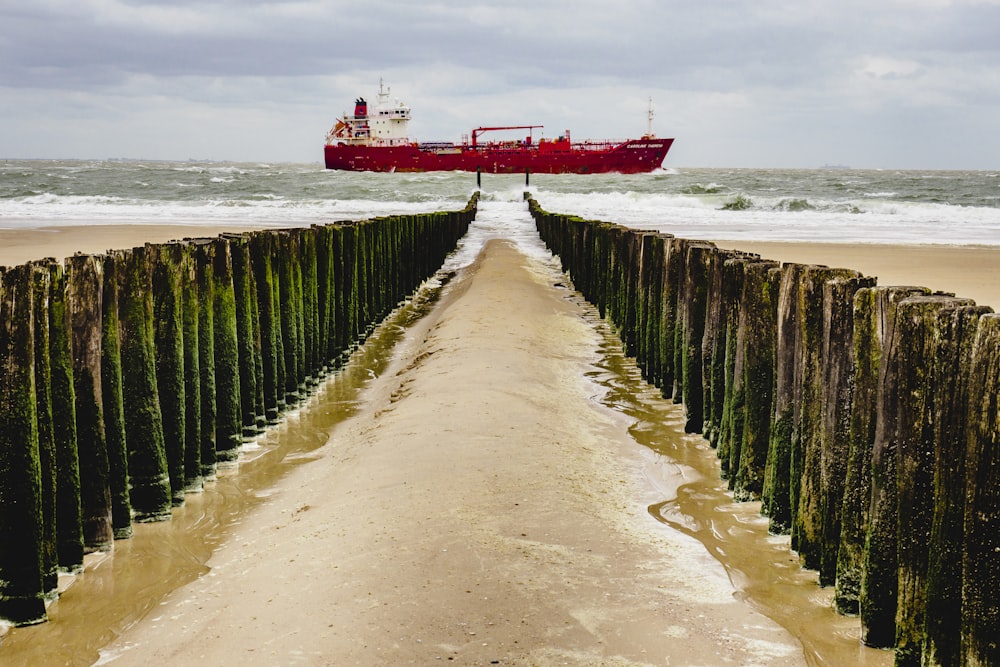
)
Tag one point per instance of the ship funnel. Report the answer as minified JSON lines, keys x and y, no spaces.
{"x":360,"y":108}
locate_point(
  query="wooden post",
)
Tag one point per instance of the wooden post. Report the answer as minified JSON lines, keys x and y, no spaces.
{"x":84,"y":305}
{"x":21,"y":595}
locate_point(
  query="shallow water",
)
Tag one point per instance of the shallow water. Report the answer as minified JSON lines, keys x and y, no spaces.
{"x":685,"y":472}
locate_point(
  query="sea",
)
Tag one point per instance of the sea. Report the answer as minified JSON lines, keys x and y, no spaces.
{"x":827,"y":205}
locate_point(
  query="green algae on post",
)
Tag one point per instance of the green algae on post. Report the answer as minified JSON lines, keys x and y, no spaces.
{"x":168,"y":339}
{"x":228,"y":422}
{"x":113,"y":402}
{"x":836,"y":398}
{"x":757,"y":336}
{"x":41,"y":285}
{"x":84,"y":290}
{"x":205,"y":253}
{"x":953,"y":366}
{"x":150,"y":491}
{"x":981,"y":553}
{"x":261,"y":260}
{"x":248,"y":341}
{"x":193,"y":479}
{"x":21,"y":594}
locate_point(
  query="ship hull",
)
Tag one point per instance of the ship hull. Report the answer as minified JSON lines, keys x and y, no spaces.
{"x":629,"y":157}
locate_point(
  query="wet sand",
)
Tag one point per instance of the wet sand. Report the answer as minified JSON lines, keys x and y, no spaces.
{"x":482,"y":503}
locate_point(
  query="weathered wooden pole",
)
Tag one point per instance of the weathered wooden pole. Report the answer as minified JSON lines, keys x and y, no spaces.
{"x":835,"y":401}
{"x":228,"y":413}
{"x":874,"y":313}
{"x":147,"y":460}
{"x":41,"y":286}
{"x":21,"y":593}
{"x":112,"y":400}
{"x":204,"y":263}
{"x":290,"y":302}
{"x":696,"y":279}
{"x":880,"y":580}
{"x":248,"y":339}
{"x":806,"y":485}
{"x":953,"y":367}
{"x":981,"y":553}
{"x":188,"y":270}
{"x":261,"y":256}
{"x":84,"y":305}
{"x":168,"y":339}
{"x":915,"y":348}
{"x":757,"y":332}
{"x":776,"y":491}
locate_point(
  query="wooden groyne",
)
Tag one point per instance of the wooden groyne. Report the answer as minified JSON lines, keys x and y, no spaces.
{"x":127,"y":378}
{"x":864,"y":418}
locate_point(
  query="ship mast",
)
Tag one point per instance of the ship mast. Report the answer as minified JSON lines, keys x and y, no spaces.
{"x":649,"y":121}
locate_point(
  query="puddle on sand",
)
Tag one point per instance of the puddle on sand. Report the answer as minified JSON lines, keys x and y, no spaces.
{"x":762,"y":567}
{"x":117,"y":590}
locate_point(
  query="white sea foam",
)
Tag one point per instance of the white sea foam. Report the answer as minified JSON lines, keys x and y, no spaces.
{"x":714,"y":204}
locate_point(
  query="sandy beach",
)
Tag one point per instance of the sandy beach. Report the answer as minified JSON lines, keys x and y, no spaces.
{"x":480,"y":506}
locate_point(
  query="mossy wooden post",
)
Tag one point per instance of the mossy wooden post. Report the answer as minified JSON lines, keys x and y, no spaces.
{"x":981,"y":553}
{"x":228,"y":416}
{"x":776,"y":492}
{"x":676,"y":316}
{"x":806,"y":485}
{"x":696,"y":278}
{"x":651,"y":306}
{"x":287,"y":253}
{"x":310,"y":307}
{"x":64,"y":426}
{"x":347,"y":278}
{"x":21,"y":593}
{"x":918,"y":337}
{"x":629,"y":252}
{"x":323,"y":268}
{"x":112,"y":400}
{"x":261,"y":255}
{"x":338,"y":237}
{"x":813,"y":354}
{"x":85,"y":304}
{"x":168,"y":342}
{"x":368,"y":277}
{"x":729,"y":423}
{"x":204,"y":265}
{"x":248,"y":340}
{"x":669,"y":291}
{"x":757,"y":333}
{"x":836,"y":396}
{"x":880,"y":575}
{"x":874,"y":312}
{"x":147,"y":460}
{"x":722,"y":305}
{"x":187,"y":270}
{"x":41,"y":287}
{"x":953,"y":365}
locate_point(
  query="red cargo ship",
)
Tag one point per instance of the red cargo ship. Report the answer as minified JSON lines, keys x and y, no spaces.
{"x":378,"y":141}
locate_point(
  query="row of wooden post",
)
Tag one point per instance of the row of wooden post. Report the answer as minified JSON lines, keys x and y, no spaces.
{"x":865,"y":418}
{"x":126,"y":378}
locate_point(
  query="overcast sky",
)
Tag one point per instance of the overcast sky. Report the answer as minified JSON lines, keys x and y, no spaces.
{"x":739,"y":83}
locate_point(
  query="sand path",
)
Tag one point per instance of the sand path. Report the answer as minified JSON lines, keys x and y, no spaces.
{"x":482,"y":508}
